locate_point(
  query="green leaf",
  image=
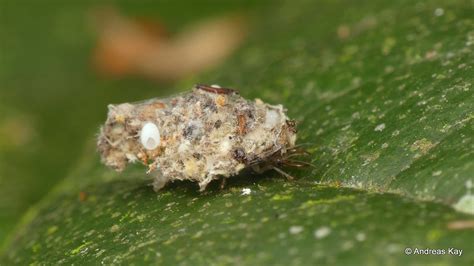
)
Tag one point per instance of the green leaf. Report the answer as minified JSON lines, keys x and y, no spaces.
{"x":383,"y":94}
{"x":124,"y":221}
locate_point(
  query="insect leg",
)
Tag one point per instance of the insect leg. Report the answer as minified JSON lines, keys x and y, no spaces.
{"x":297,"y":153}
{"x":203,"y":184}
{"x":159,"y":182}
{"x":298,"y":163}
{"x":223,"y":182}
{"x":303,"y":144}
{"x":292,"y":164}
{"x":289,"y":177}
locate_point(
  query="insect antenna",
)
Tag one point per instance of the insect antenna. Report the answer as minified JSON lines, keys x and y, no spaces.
{"x":303,"y":144}
{"x":297,"y":163}
{"x":294,"y":153}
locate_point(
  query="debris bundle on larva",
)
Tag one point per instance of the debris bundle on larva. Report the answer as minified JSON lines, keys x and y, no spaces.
{"x":206,"y":134}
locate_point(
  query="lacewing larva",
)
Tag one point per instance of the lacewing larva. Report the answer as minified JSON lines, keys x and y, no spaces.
{"x":202,"y":135}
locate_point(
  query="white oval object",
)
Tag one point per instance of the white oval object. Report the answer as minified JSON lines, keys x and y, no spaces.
{"x":150,"y":136}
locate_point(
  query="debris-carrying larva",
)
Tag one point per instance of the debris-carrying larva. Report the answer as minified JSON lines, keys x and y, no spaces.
{"x":208,"y":133}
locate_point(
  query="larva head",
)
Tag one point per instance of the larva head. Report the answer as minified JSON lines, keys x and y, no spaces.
{"x":125,"y":136}
{"x":269,"y":131}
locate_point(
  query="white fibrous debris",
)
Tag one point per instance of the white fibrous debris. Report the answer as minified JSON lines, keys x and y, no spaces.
{"x":226,"y":145}
{"x":150,"y":136}
{"x":380,"y":127}
{"x":206,"y":134}
{"x":246,"y":191}
{"x":272,"y":118}
{"x":184,"y":146}
{"x":131,"y":157}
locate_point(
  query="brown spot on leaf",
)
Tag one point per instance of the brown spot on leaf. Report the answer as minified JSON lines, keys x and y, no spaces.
{"x":82,"y":196}
{"x":422,"y":145}
{"x":460,"y":225}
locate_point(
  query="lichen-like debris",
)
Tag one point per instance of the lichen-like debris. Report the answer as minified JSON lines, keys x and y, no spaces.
{"x":208,"y":133}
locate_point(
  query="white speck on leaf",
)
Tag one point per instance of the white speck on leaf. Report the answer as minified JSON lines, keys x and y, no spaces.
{"x":465,"y":204}
{"x":393,"y":248}
{"x":114,"y":228}
{"x":296,"y":229}
{"x":360,"y":237}
{"x":322,"y":232}
{"x":380,"y":127}
{"x":347,"y":245}
{"x":437,"y":173}
{"x":469,"y":184}
{"x":246,"y":191}
{"x":439,"y":12}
